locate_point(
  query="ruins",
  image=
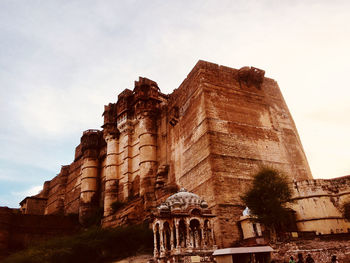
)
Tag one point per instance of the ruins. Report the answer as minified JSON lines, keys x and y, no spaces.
{"x":210,"y":136}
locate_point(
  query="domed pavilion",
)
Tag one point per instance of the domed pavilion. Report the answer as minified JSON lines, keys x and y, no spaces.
{"x":183,"y":228}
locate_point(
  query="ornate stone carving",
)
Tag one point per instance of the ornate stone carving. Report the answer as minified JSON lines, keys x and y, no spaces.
{"x":251,"y":76}
{"x":91,"y":142}
{"x":174,"y":115}
{"x":184,"y":212}
{"x":162,"y":175}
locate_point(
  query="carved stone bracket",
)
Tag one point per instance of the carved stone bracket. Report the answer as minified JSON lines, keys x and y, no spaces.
{"x":110,"y":131}
{"x":174,"y":116}
{"x":91,"y":142}
{"x":251,"y":76}
{"x":162,"y":175}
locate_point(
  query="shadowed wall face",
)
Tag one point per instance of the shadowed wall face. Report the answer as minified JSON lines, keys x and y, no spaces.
{"x":17,"y":230}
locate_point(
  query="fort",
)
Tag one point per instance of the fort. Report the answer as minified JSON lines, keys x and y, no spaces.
{"x":210,"y":136}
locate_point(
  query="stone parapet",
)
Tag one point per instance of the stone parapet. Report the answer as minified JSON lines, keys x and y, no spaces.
{"x":91,"y":142}
{"x":319,"y":203}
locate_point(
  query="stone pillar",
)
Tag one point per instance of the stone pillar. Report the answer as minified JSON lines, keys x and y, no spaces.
{"x":211,"y":240}
{"x":165,"y":239}
{"x":148,"y":158}
{"x":202,"y":233}
{"x":197,"y":238}
{"x":111,"y":172}
{"x":188,"y":243}
{"x":91,"y":142}
{"x":155,"y":250}
{"x":171,"y":237}
{"x":161,"y":233}
{"x":177,"y":233}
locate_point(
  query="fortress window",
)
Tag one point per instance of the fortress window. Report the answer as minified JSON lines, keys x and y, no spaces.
{"x":122,"y":118}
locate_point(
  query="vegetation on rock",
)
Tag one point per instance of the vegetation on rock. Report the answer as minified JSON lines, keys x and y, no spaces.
{"x":95,"y":218}
{"x":116,"y":205}
{"x":92,"y":245}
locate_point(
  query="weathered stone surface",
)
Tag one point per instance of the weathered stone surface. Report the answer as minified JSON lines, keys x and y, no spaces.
{"x":321,"y":249}
{"x":33,"y":205}
{"x":318,"y":205}
{"x":136,"y":259}
{"x":212,"y":134}
{"x":182,"y":229}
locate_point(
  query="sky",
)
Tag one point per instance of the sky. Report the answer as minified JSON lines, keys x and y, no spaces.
{"x":62,"y":61}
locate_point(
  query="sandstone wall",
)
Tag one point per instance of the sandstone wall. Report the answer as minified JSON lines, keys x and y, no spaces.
{"x":230,"y":125}
{"x":210,"y":136}
{"x":321,"y":249}
{"x":319,"y":203}
{"x":73,"y":187}
{"x":63,"y":191}
{"x":189,"y":149}
{"x":33,"y":205}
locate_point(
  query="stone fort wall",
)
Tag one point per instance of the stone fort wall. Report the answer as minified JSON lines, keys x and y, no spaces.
{"x":210,"y":136}
{"x":319,"y":203}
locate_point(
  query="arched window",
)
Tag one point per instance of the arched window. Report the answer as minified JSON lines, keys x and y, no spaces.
{"x":182,"y":233}
{"x":167,"y":234}
{"x":207,"y":232}
{"x":174,"y":235}
{"x":195,"y":234}
{"x":157,"y":237}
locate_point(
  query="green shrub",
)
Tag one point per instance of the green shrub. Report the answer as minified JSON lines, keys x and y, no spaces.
{"x":95,"y":218}
{"x":267,"y":198}
{"x":92,"y":245}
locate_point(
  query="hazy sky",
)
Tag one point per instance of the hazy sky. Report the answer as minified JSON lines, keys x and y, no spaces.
{"x":61,"y":61}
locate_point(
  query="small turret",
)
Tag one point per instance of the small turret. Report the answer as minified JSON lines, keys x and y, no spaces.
{"x":91,"y":143}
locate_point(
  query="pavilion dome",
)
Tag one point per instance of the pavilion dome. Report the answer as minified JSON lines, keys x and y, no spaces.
{"x":183,"y":200}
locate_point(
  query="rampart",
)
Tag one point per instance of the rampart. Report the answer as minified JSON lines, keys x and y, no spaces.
{"x":319,"y":204}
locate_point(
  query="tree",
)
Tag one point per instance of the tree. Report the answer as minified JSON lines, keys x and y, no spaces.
{"x":267,"y":199}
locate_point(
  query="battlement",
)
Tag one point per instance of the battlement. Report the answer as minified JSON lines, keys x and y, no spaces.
{"x":252,"y":76}
{"x":145,"y":82}
{"x":91,"y":141}
{"x":125,"y":93}
{"x":318,"y":187}
{"x":91,"y":131}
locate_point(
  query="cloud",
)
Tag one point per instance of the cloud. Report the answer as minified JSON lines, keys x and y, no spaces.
{"x":13,"y":198}
{"x":28,"y":192}
{"x":63,"y":60}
